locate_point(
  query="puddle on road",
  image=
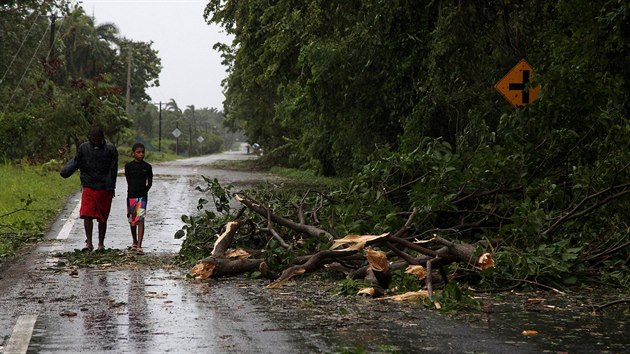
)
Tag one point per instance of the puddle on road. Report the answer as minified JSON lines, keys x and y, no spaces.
{"x":145,"y":310}
{"x":126,"y":311}
{"x":560,"y":323}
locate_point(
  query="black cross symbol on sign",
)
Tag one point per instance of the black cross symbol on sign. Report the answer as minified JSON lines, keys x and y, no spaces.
{"x":521,"y":87}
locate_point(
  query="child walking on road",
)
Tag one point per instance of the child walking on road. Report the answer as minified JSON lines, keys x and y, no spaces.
{"x":139,"y":176}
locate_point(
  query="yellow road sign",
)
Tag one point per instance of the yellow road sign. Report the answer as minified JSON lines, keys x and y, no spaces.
{"x":515,"y":87}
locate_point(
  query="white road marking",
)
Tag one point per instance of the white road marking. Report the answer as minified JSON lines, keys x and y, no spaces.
{"x":21,"y":337}
{"x":72,"y":219}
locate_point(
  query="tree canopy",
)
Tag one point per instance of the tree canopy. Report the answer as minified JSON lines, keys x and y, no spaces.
{"x":341,"y":79}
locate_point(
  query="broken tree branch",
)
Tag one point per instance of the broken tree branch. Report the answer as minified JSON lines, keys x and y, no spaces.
{"x":309,"y":230}
{"x":316,"y":261}
{"x":226,"y":238}
{"x":275,"y":233}
{"x":573,"y":214}
{"x":617,"y":302}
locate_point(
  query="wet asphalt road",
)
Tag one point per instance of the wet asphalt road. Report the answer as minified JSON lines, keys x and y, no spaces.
{"x":135,"y":310}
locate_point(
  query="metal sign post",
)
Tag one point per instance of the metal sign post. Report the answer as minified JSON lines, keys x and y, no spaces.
{"x":176,"y":133}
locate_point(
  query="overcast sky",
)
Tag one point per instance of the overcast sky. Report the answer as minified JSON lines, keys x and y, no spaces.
{"x":191,"y":69}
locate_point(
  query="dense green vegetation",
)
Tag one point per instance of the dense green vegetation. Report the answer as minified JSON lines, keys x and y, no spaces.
{"x":399,"y":96}
{"x":61,"y":73}
{"x":327,"y":83}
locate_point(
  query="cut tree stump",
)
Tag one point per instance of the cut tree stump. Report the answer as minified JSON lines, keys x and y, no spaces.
{"x":219,"y":264}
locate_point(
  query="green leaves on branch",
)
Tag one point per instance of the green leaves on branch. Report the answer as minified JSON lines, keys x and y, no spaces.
{"x":201,"y":229}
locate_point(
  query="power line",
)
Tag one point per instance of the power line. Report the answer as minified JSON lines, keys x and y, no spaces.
{"x":21,"y":44}
{"x":26,"y":70}
{"x":50,"y":50}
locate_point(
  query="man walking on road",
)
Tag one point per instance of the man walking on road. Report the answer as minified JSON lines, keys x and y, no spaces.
{"x":98,"y":162}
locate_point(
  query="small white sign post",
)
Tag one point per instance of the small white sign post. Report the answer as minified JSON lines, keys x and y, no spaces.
{"x":200,"y":140}
{"x":176,"y":133}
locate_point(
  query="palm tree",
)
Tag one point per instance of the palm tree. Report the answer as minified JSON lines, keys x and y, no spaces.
{"x":104,"y":37}
{"x":192,"y":130}
{"x":172,"y":106}
{"x":88,"y":49}
{"x":75,"y":31}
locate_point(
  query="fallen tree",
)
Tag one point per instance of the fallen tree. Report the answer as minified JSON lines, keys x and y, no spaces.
{"x":395,"y":248}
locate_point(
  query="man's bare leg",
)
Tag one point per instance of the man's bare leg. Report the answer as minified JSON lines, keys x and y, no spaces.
{"x":88,"y":225}
{"x":102,"y":229}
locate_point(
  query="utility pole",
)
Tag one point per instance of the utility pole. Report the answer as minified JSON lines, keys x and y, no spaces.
{"x":159,"y":126}
{"x":128,"y":101}
{"x":195,"y":128}
{"x":160,"y":129}
{"x":177,"y":137}
{"x":51,"y":49}
{"x":51,"y":65}
{"x":190,"y":139}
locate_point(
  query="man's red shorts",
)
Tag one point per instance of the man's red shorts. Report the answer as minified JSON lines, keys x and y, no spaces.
{"x":96,"y":204}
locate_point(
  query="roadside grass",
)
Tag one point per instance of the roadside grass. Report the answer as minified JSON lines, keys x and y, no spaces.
{"x":307,"y":177}
{"x":30,"y":199}
{"x":240,"y":165}
{"x":295,"y":176}
{"x":156,"y":156}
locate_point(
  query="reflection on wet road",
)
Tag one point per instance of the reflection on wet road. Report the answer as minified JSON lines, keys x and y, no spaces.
{"x":139,"y":310}
{"x":152,"y":312}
